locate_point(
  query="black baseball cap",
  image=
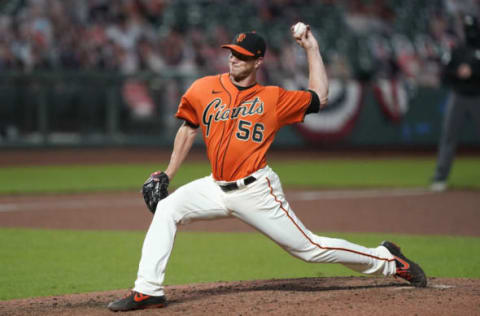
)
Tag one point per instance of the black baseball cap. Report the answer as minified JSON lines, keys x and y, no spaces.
{"x":249,"y":44}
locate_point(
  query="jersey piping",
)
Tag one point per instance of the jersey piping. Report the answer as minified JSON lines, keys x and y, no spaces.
{"x":238,"y":126}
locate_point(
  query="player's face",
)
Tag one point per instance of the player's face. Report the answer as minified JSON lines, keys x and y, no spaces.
{"x":241,"y":66}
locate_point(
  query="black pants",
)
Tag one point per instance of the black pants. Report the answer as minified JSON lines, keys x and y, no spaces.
{"x":458,"y":108}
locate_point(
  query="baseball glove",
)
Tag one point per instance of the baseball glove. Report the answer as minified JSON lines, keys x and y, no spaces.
{"x":155,"y":189}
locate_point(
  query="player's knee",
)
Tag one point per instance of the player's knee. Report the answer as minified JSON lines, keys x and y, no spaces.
{"x":304,"y":255}
{"x":172,"y":211}
{"x":165,"y":209}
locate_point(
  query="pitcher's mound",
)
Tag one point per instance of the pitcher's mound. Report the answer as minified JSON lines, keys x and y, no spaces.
{"x":307,"y":296}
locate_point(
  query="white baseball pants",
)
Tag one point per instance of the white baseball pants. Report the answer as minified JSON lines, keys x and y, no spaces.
{"x":261,"y":204}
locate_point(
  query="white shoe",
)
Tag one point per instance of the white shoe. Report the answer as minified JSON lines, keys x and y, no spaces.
{"x":438,"y":186}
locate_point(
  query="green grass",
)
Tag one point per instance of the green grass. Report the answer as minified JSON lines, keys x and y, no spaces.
{"x":77,"y":178}
{"x":356,"y":173}
{"x":55,"y":262}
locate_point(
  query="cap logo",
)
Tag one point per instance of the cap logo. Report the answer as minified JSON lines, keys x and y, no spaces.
{"x":241,"y":37}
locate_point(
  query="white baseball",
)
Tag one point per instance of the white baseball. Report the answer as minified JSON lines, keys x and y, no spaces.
{"x":299,"y":29}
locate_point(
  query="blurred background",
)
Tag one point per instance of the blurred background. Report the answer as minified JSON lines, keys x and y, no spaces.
{"x":111,"y":73}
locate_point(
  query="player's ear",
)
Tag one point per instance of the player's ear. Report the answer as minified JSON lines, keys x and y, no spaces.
{"x":258,"y":62}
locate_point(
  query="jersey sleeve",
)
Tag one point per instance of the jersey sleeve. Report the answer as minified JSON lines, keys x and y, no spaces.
{"x":292,"y":106}
{"x":186,"y":109}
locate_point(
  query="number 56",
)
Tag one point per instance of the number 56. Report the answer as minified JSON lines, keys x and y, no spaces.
{"x":244,"y":131}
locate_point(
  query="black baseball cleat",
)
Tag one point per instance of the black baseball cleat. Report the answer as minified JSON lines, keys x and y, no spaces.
{"x":406,"y":268}
{"x":136,"y":300}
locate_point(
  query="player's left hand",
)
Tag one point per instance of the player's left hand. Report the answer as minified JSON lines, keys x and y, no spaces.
{"x":155,"y":189}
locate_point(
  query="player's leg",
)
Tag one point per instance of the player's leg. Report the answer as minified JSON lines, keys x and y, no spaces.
{"x":197,"y":200}
{"x":263,"y":205}
{"x":474,"y":108}
{"x":453,"y":120}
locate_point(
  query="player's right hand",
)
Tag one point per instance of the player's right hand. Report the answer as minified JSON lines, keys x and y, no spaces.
{"x":307,"y":40}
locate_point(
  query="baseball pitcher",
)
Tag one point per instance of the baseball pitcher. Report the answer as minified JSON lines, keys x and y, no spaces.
{"x":238,"y":118}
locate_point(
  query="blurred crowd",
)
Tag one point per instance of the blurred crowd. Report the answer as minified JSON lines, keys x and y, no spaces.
{"x":359,"y":38}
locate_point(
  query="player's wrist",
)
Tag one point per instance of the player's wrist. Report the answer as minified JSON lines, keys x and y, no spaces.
{"x":312,"y":48}
{"x":169,"y":175}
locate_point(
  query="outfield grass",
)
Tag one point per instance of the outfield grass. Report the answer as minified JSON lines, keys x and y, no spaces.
{"x":328,"y":173}
{"x":55,"y":262}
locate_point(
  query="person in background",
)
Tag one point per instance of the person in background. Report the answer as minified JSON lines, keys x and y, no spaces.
{"x":462,"y":74}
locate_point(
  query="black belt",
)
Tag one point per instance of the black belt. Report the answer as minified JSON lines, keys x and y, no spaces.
{"x":233,"y":185}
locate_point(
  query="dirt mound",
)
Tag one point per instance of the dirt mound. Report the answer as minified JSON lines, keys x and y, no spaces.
{"x":308,"y":296}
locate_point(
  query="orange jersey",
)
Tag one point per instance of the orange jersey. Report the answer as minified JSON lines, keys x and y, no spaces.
{"x":239,"y":125}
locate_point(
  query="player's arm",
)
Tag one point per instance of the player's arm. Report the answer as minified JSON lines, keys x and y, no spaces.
{"x":317,"y":75}
{"x":181,"y":147}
